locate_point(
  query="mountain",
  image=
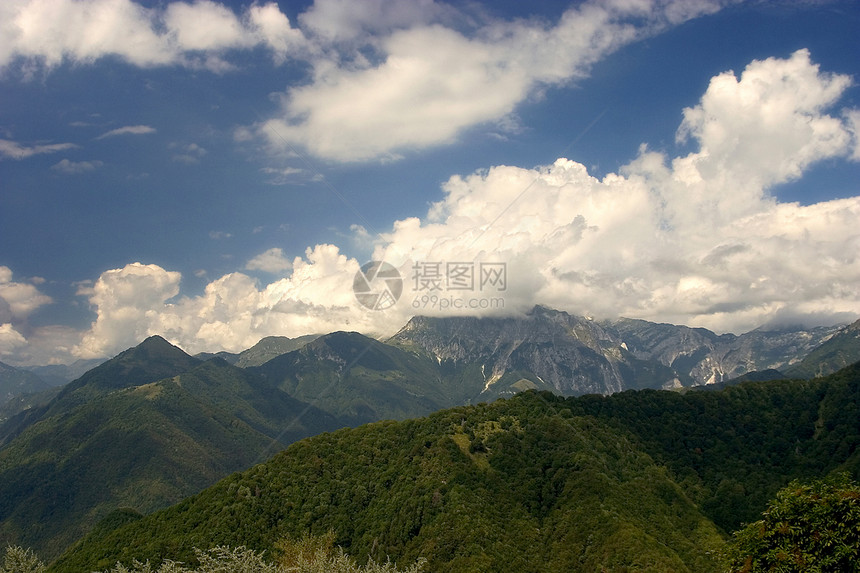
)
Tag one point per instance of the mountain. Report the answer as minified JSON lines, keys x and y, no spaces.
{"x":143,"y":430}
{"x":703,"y":357}
{"x":14,"y":382}
{"x":638,"y":480}
{"x":545,"y":349}
{"x":228,"y":357}
{"x":266,"y":349}
{"x":60,"y":374}
{"x":842,"y":349}
{"x":271,"y":347}
{"x":511,"y":486}
{"x":549,"y":349}
{"x":151,"y":360}
{"x":23,"y":402}
{"x":359,"y":379}
{"x":154,"y":424}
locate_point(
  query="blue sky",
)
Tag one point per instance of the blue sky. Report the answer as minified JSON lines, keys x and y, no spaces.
{"x":217,"y":172}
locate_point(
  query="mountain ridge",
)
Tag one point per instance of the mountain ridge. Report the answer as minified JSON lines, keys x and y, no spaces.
{"x":537,"y":482}
{"x":338,"y":379}
{"x":15,"y":381}
{"x":576,"y":355}
{"x":143,"y":430}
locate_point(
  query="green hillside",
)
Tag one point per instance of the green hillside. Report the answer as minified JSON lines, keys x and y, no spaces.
{"x":151,"y":360}
{"x":121,"y":437}
{"x":271,"y":347}
{"x":513,"y":486}
{"x":643,"y":480}
{"x":360,"y":380}
{"x":733,"y":449}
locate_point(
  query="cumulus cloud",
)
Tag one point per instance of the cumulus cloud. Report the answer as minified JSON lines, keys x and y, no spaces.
{"x":128,"y":130}
{"x":696,"y":239}
{"x":14,"y":150}
{"x":272,"y":261}
{"x":11,"y":341}
{"x":429,"y":82}
{"x":205,"y":26}
{"x":76,"y":167}
{"x":18,"y":300}
{"x":768,"y":125}
{"x":126,"y":300}
{"x":50,"y":32}
{"x":387,"y":76}
{"x":234,"y":311}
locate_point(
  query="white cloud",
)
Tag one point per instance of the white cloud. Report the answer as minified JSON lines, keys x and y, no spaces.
{"x":204,"y":26}
{"x":272,"y":28}
{"x":345,"y":20}
{"x":126,"y":302}
{"x":11,"y":341}
{"x":42,"y":345}
{"x":18,"y":300}
{"x":13,"y":150}
{"x":666,"y":239}
{"x":128,"y":130}
{"x":190,"y":154}
{"x":853,"y":119}
{"x":431,"y":81}
{"x":272,"y":261}
{"x":76,"y":167}
{"x":696,"y":240}
{"x":387,"y":76}
{"x":768,"y":124}
{"x":281,"y":175}
{"x":50,"y":32}
{"x":233,"y":313}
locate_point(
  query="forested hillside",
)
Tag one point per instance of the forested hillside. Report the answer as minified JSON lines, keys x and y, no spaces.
{"x":509,"y":486}
{"x":144,"y":430}
{"x":641,"y":479}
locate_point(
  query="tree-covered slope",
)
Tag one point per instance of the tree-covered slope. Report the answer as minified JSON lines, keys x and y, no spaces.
{"x":271,"y":347}
{"x":537,"y":482}
{"x":733,"y":449}
{"x":151,"y":360}
{"x":359,"y":379}
{"x":519,"y":485}
{"x":139,"y":444}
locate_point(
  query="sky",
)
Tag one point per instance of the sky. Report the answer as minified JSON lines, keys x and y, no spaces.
{"x":218,"y":172}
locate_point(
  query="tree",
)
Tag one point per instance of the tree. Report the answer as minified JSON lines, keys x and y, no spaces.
{"x":20,"y":560}
{"x":310,"y":556}
{"x":811,"y":528}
